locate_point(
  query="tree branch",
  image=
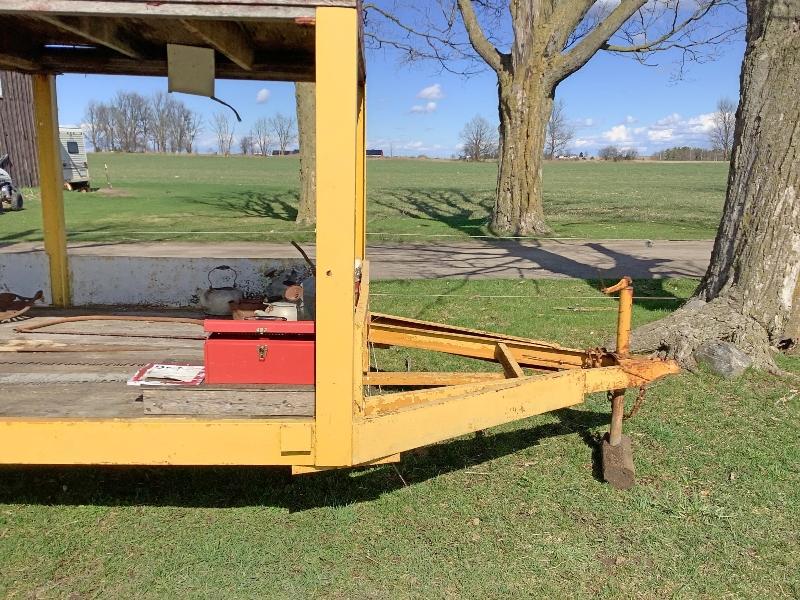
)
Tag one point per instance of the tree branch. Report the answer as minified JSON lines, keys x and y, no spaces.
{"x":477,"y":38}
{"x":580,"y":54}
{"x":653,"y":45}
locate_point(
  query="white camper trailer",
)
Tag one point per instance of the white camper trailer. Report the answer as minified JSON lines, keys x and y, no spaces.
{"x":74,"y":163}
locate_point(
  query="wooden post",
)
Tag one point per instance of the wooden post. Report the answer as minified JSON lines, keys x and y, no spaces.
{"x":337,"y":111}
{"x":51,"y":185}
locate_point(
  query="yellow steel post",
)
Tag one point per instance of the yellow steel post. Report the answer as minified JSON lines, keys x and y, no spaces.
{"x":337,"y":108}
{"x":361,"y":175}
{"x":51,"y":186}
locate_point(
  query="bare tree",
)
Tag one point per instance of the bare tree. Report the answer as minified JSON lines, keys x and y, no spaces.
{"x":478,"y":139}
{"x":750,"y":295}
{"x":191,"y":126}
{"x":130,"y":116}
{"x":93,"y":128}
{"x":222,"y":126}
{"x":721,"y":134}
{"x":609,"y":153}
{"x":262,"y":136}
{"x":161,"y":115}
{"x":559,"y":131}
{"x":305,"y":99}
{"x":283,"y":129}
{"x":246,"y":145}
{"x":547,"y":41}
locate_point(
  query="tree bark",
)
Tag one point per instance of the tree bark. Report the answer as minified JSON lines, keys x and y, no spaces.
{"x":750,"y":294}
{"x":305,"y":96}
{"x":525,"y":105}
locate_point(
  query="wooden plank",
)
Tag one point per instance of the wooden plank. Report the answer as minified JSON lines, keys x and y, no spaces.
{"x":225,"y":37}
{"x":299,"y":67}
{"x":244,"y":10}
{"x":281,"y":401}
{"x":506,"y":358}
{"x":17,"y":130}
{"x":105,"y":32}
{"x":16,"y":62}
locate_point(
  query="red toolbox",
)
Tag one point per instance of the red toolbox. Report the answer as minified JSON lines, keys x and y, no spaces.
{"x":253,"y":351}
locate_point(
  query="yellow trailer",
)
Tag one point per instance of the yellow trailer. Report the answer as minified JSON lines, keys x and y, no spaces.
{"x":295,"y":40}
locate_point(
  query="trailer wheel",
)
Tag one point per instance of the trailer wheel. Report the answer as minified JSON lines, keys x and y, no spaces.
{"x":16,"y":201}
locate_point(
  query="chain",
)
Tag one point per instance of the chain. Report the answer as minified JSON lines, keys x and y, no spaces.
{"x":637,"y":404}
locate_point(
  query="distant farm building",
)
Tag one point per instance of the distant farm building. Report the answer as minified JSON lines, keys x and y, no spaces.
{"x":374,"y":153}
{"x":17,"y":133}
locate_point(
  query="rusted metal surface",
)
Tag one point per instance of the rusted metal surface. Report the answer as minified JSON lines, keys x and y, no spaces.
{"x":13,"y":306}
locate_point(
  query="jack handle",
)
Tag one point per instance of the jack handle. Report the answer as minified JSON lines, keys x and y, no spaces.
{"x":625,"y":289}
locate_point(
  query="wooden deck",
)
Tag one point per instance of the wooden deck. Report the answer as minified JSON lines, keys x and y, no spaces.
{"x":86,"y":365}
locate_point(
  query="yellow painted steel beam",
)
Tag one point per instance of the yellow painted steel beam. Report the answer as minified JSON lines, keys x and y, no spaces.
{"x":459,"y":414}
{"x":51,"y":181}
{"x":337,"y":111}
{"x":635,"y":373}
{"x":361,"y":174}
{"x":474,"y":346}
{"x":308,"y":470}
{"x":428,"y":326}
{"x":156,"y":441}
{"x":506,"y":358}
{"x":361,"y":351}
{"x":427,"y":378}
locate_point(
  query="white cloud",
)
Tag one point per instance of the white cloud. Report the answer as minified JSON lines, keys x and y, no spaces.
{"x":618,"y":134}
{"x":432,"y":92}
{"x":660,"y":135}
{"x":582,"y":142}
{"x":426,"y":108}
{"x":630,"y":119}
{"x":263,"y":96}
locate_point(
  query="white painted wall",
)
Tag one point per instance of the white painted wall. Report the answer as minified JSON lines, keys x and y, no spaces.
{"x":136,"y":281}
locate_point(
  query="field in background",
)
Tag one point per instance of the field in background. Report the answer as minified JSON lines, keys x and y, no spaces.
{"x":516,"y":514}
{"x":158,"y":197}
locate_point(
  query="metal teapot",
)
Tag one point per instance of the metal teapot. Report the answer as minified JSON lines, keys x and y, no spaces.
{"x":217,"y":300}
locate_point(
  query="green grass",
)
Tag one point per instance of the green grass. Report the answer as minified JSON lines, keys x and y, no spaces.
{"x":517,"y":514}
{"x":252,"y":198}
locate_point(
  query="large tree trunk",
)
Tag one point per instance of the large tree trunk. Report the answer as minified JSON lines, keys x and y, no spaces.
{"x":525,"y":106}
{"x":305,"y":96}
{"x":750,"y":294}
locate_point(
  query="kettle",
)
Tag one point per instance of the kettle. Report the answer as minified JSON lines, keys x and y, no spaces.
{"x":217,"y":300}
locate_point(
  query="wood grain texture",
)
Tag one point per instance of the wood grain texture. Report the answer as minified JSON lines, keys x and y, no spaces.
{"x":277,"y":401}
{"x":17,"y":132}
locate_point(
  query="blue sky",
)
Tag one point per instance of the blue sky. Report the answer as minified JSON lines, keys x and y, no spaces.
{"x":419,"y":109}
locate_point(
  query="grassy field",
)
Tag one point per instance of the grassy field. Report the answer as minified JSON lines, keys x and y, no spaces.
{"x":516,"y":514}
{"x":251,"y":198}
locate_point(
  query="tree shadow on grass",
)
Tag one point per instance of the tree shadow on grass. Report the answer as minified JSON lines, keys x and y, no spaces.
{"x":281,"y":206}
{"x":229,"y":487}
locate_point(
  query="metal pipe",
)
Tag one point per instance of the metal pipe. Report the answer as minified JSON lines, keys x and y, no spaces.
{"x":617,"y":413}
{"x":624,"y":321}
{"x":624,"y":315}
